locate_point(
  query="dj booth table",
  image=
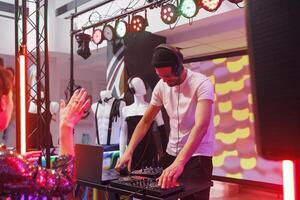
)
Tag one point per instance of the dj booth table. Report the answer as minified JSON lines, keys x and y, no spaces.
{"x":190,"y":187}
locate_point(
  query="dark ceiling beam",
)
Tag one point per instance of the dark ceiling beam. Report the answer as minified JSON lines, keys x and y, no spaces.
{"x":70,"y":6}
{"x":7,"y":7}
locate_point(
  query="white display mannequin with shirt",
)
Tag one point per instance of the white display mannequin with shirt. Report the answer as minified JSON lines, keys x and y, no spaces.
{"x":136,"y":109}
{"x":103,"y":113}
{"x":36,"y":130}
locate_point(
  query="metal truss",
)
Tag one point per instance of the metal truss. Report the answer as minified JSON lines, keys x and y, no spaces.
{"x":32,"y":37}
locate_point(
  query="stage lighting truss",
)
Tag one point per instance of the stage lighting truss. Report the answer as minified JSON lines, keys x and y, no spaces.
{"x":138,"y":23}
{"x":97,"y":36}
{"x":210,"y":5}
{"x":121,"y":28}
{"x":188,"y":8}
{"x":169,"y":13}
{"x":108,"y":32}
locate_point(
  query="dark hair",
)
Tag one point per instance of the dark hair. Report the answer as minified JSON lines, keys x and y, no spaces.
{"x":6,"y":81}
{"x":11,"y":70}
{"x":1,"y":62}
{"x":167,"y":55}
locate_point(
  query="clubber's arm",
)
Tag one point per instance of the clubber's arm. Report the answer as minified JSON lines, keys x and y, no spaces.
{"x":123,"y":132}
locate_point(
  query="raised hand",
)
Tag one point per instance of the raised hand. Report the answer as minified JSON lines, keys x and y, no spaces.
{"x":71,"y":113}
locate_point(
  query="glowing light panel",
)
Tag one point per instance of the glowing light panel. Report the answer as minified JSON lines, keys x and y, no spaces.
{"x":22,"y":104}
{"x":288,"y":180}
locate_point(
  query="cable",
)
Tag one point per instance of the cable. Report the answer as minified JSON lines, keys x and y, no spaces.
{"x":178,"y":119}
{"x":136,"y":192}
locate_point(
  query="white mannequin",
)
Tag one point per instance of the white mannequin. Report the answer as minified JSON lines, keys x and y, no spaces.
{"x":138,"y":107}
{"x":54,"y":106}
{"x":33,"y":109}
{"x":103,"y":114}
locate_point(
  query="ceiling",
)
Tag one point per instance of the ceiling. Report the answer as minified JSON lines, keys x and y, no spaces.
{"x":217,"y":34}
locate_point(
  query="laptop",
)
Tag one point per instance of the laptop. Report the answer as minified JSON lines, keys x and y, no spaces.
{"x":89,"y":165}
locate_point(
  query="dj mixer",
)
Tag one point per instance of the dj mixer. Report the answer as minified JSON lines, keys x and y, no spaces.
{"x":144,"y":185}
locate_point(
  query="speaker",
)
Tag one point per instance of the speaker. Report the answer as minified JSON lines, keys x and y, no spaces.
{"x":274,"y":46}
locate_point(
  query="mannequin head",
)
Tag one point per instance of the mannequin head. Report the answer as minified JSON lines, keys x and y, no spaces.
{"x":54,"y":107}
{"x":137,"y":86}
{"x":105,"y":95}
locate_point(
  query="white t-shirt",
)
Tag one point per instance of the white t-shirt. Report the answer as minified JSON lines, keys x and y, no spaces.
{"x":195,"y":87}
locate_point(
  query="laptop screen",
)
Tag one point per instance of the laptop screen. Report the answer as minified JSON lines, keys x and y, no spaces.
{"x":89,"y":164}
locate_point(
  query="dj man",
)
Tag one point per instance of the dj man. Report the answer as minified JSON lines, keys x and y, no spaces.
{"x":188,"y":99}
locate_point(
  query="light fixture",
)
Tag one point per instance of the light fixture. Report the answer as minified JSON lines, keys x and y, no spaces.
{"x":288,"y":174}
{"x":83,"y":41}
{"x":97,"y":37}
{"x":22,"y":100}
{"x":108,"y":32}
{"x":121,"y":28}
{"x":210,"y":5}
{"x":168,"y":13}
{"x":236,"y":1}
{"x":188,"y":8}
{"x":138,"y":23}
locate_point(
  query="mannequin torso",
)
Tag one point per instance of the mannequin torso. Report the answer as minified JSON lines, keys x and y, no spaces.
{"x":131,"y":115}
{"x":102,"y":114}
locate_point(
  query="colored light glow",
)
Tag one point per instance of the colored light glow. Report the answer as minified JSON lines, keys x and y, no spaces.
{"x":288,"y":180}
{"x":168,"y":13}
{"x":121,"y":28}
{"x":22,"y":104}
{"x":97,"y":36}
{"x":210,"y":5}
{"x":188,"y":8}
{"x":138,"y":23}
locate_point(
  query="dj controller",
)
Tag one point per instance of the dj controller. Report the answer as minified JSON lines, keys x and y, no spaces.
{"x":144,"y":181}
{"x":148,"y":172}
{"x":144,"y":185}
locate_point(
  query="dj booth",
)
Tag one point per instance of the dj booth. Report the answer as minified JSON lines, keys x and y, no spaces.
{"x":190,"y":187}
{"x":91,"y":172}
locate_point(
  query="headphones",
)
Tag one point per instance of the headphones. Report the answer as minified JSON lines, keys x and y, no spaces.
{"x":178,"y":68}
{"x":130,"y":86}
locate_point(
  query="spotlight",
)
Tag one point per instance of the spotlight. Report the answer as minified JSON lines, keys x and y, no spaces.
{"x":121,"y":28}
{"x":108,"y":32}
{"x":236,"y":1}
{"x":210,"y":5}
{"x":97,"y":36}
{"x":168,"y":13}
{"x":188,"y":8}
{"x":83,"y":41}
{"x":138,"y":23}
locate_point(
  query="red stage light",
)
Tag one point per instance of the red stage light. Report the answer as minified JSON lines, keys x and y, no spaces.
{"x":138,"y":23}
{"x":210,"y":5}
